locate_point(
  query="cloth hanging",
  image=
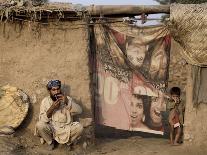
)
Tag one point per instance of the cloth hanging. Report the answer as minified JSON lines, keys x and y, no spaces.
{"x":132,"y":68}
{"x":199,"y":75}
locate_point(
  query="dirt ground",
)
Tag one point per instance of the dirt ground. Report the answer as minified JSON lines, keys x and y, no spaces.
{"x":23,"y":143}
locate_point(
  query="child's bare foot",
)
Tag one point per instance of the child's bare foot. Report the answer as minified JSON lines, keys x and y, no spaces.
{"x":170,"y":142}
{"x":176,"y":144}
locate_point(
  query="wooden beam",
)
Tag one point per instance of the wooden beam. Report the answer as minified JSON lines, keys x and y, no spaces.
{"x":117,"y":11}
{"x":126,"y":10}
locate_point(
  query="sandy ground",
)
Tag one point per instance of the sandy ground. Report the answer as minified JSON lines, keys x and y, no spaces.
{"x":23,"y":142}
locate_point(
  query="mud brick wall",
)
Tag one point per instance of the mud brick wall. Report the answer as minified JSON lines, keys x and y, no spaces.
{"x":178,"y":68}
{"x":33,"y":53}
{"x":195,"y":123}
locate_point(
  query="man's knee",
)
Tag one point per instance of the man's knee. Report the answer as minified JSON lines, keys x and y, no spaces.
{"x":77,"y":129}
{"x":41,"y":125}
{"x":80,"y":128}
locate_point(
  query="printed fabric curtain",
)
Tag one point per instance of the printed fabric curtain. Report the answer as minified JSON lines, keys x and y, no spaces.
{"x":132,"y":72}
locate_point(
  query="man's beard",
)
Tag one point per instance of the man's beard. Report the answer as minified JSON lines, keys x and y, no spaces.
{"x":53,"y":97}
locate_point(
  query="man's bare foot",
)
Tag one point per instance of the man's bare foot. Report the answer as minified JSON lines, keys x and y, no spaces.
{"x":42,"y":141}
{"x":51,"y":146}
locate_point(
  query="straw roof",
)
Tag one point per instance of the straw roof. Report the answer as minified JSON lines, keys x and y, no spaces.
{"x":42,"y":11}
{"x":189,"y":28}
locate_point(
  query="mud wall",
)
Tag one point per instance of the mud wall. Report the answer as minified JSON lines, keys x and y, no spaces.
{"x":195,"y":125}
{"x":178,"y":68}
{"x":2,"y":1}
{"x":32,"y":53}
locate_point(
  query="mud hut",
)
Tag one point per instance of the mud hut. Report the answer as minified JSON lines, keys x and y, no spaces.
{"x":52,"y":41}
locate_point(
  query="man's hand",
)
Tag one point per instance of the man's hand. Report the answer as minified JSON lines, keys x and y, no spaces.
{"x":62,"y":98}
{"x":54,"y":106}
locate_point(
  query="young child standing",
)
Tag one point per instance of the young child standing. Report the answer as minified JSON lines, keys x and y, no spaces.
{"x":176,"y":110}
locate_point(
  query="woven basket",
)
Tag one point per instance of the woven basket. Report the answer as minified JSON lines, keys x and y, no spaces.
{"x":14,"y":105}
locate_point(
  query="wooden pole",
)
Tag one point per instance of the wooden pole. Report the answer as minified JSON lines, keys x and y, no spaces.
{"x":189,"y":106}
{"x":117,"y":11}
{"x":126,"y":10}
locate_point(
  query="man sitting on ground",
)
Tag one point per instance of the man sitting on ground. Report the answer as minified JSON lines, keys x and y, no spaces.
{"x":55,"y":118}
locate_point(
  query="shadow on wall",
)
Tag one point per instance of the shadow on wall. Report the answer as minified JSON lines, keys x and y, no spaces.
{"x":66,"y":89}
{"x":86,"y":112}
{"x":28,"y":118}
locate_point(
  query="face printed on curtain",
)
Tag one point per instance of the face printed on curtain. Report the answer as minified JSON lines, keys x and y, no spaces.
{"x":135,"y":51}
{"x":132,"y":74}
{"x":159,"y":62}
{"x":136,"y":111}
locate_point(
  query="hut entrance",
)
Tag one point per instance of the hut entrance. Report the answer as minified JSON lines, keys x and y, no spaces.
{"x":131,"y":73}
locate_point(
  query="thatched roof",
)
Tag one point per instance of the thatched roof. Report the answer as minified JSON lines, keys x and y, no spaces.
{"x":66,"y":11}
{"x":189,"y":28}
{"x":46,"y":11}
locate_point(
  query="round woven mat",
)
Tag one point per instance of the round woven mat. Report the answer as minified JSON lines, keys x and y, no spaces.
{"x":14,"y":105}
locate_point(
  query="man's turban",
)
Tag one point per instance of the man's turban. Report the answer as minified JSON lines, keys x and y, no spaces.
{"x":53,"y":83}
